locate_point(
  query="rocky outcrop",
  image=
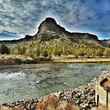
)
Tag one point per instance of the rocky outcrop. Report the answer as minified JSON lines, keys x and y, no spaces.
{"x":50,"y":25}
{"x":50,"y":28}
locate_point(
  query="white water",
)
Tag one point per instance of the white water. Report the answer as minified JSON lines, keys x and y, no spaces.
{"x":12,"y":76}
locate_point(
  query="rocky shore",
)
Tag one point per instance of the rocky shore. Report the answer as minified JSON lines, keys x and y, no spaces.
{"x":83,"y":98}
{"x":21,"y":59}
{"x":20,"y":105}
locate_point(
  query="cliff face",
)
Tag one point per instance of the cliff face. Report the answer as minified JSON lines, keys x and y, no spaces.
{"x":49,"y":28}
{"x":50,"y":25}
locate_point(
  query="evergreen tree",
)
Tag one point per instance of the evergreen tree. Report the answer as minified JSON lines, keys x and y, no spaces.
{"x":4,"y":49}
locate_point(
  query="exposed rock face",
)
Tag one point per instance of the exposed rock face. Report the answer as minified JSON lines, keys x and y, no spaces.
{"x":49,"y":27}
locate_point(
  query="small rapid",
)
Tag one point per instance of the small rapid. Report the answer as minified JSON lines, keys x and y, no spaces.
{"x":12,"y":76}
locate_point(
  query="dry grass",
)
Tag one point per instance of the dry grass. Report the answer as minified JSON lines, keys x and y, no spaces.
{"x":101,"y":107}
{"x":53,"y":103}
{"x":80,"y":60}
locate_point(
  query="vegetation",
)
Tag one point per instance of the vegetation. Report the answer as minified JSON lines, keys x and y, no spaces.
{"x":56,"y":47}
{"x":60,"y":47}
{"x":52,"y":102}
{"x":4,"y":49}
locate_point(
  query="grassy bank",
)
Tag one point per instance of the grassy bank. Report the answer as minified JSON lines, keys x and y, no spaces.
{"x":20,"y":59}
{"x":81,"y":60}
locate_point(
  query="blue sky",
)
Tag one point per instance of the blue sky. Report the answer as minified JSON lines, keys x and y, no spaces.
{"x":21,"y":17}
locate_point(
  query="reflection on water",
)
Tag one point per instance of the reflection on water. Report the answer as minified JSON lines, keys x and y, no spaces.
{"x":19,"y":82}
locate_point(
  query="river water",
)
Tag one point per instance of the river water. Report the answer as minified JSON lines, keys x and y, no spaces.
{"x":19,"y":82}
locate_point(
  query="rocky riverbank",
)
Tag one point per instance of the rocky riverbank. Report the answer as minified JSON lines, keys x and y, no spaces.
{"x":21,"y":59}
{"x":20,"y":105}
{"x":82,"y":98}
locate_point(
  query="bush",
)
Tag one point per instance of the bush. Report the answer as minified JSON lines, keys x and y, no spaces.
{"x":4,"y":49}
{"x":45,"y":54}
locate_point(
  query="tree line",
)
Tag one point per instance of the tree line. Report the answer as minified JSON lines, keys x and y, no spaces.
{"x":59,"y":47}
{"x":56,"y":47}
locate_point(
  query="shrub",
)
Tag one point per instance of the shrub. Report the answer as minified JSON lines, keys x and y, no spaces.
{"x":4,"y":49}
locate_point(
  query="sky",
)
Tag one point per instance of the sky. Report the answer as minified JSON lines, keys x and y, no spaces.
{"x":21,"y":17}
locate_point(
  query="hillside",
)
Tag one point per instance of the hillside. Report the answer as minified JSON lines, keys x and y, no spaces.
{"x":50,"y":29}
{"x":52,"y":40}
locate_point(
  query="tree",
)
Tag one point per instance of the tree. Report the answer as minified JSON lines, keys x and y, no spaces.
{"x":45,"y":54}
{"x":4,"y":49}
{"x":106,"y":52}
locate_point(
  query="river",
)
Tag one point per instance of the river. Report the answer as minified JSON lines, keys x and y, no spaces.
{"x":18,"y":82}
